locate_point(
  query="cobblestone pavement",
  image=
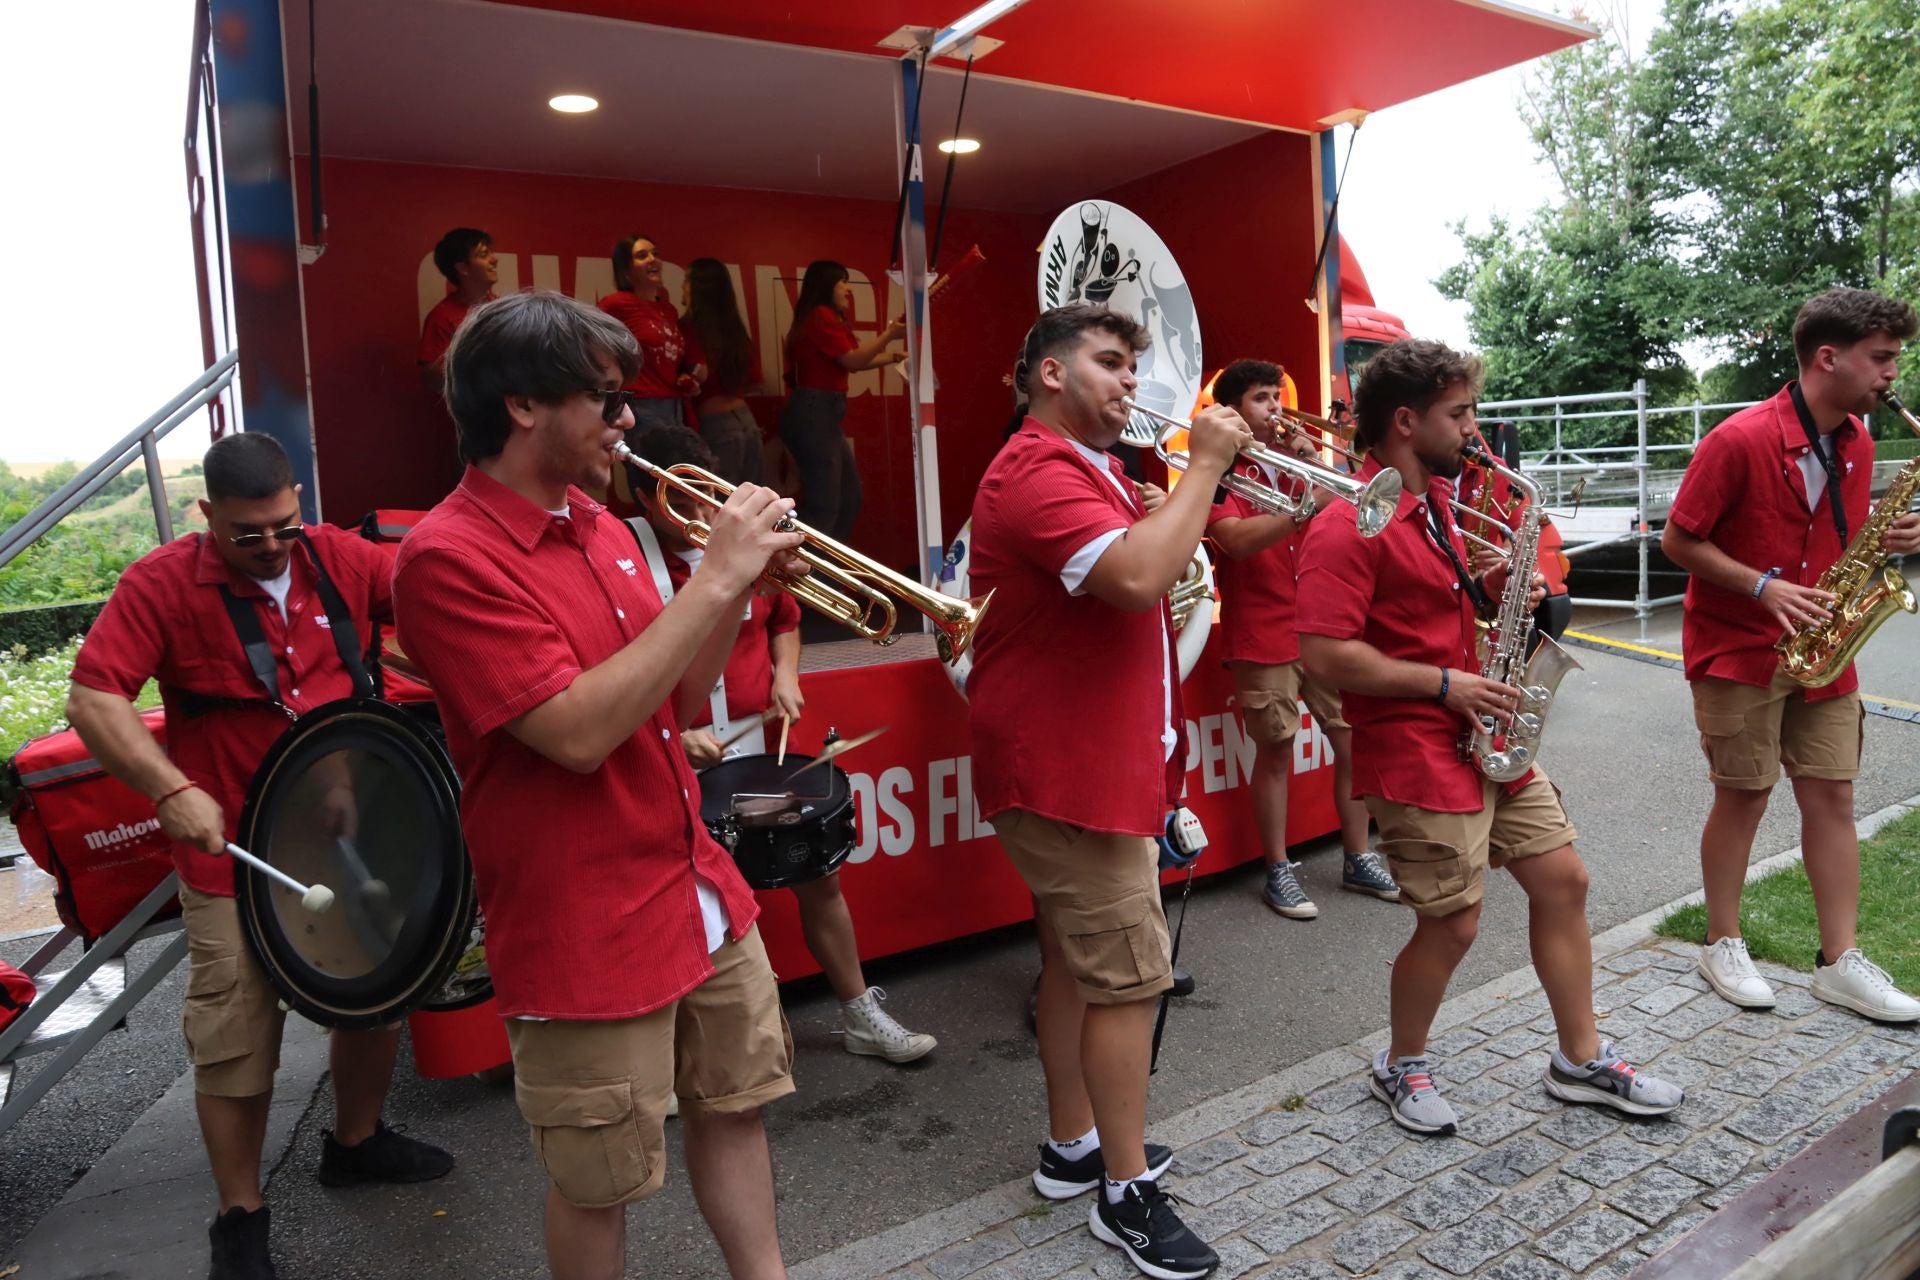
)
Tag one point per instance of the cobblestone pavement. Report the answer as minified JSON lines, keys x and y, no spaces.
{"x":1302,"y":1177}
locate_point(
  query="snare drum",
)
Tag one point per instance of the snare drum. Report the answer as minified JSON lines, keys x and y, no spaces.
{"x":779,"y":835}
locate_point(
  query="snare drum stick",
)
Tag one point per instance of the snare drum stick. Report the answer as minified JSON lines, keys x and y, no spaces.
{"x":315,"y":898}
{"x":747,"y":726}
{"x":785,"y":724}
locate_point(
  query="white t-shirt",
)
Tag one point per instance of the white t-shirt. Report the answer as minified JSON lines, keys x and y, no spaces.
{"x":1074,"y":578}
{"x":1815,"y":474}
{"x":278,"y":587}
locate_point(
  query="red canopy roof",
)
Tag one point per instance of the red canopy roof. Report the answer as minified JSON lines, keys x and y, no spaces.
{"x":1286,"y":63}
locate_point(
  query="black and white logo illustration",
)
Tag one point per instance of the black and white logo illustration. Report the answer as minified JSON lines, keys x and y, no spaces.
{"x":1101,"y":253}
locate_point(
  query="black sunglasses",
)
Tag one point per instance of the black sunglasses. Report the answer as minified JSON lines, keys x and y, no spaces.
{"x":287,"y":534}
{"x":611,"y":403}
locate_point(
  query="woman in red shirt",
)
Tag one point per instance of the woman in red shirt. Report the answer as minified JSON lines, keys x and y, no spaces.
{"x":668,"y":371}
{"x":821,"y":352}
{"x":717,"y":340}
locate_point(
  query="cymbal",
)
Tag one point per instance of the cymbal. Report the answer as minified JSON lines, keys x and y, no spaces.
{"x":837,"y":748}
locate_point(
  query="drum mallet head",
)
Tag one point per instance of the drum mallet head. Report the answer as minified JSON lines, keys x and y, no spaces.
{"x":315,"y":898}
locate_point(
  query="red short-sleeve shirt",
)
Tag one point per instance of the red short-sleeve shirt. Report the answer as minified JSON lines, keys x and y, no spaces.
{"x":1257,"y":593}
{"x":1744,"y":493}
{"x":663,"y":352}
{"x":436,"y":333}
{"x":1400,"y":593}
{"x":823,"y":337}
{"x":168,"y":622}
{"x":587,"y":880}
{"x":716,"y":384}
{"x":749,"y":671}
{"x":1056,"y":676}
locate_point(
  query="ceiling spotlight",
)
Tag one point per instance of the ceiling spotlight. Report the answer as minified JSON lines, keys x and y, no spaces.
{"x":574,"y":104}
{"x":960,"y":146}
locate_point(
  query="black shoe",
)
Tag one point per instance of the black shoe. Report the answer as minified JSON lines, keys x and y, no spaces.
{"x":1145,"y":1226}
{"x":388,"y":1156}
{"x":1059,"y":1178}
{"x":1182,"y":982}
{"x":239,"y":1240}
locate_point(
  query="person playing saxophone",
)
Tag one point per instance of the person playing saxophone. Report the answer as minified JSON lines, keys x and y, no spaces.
{"x":1767,"y":505}
{"x":1390,"y":621}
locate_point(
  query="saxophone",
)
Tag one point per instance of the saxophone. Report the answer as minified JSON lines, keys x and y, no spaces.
{"x":1506,"y":755}
{"x":1866,"y":589}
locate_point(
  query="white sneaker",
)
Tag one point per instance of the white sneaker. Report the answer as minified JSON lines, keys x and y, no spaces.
{"x":1857,"y":983}
{"x":871,"y":1031}
{"x":1729,"y":970}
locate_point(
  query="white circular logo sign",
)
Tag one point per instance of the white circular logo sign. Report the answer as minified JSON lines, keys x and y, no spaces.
{"x":1100,"y":253}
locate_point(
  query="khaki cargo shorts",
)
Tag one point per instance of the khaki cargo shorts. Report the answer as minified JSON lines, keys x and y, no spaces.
{"x":594,"y":1094}
{"x":1441,"y":859}
{"x":1269,"y":698}
{"x":232,"y":1017}
{"x":1748,"y":733}
{"x":1100,"y":894}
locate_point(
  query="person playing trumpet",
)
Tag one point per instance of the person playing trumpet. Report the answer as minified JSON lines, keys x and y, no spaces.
{"x":1256,"y":569}
{"x":1079,"y":649}
{"x":761,"y":682}
{"x":1390,"y":620}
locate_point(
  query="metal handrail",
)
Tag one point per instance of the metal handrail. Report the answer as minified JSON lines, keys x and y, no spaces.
{"x":141,"y":441}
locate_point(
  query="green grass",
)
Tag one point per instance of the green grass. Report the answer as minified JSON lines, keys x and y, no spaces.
{"x":1776,"y":912}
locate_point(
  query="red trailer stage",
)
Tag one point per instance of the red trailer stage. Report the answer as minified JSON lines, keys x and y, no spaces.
{"x":767,"y":135}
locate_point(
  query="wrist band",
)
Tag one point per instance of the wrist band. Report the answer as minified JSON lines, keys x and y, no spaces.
{"x":189,"y":785}
{"x":1765,"y":578}
{"x":1445,"y":680}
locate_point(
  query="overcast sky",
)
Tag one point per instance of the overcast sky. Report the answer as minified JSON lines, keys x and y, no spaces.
{"x":103,"y":325}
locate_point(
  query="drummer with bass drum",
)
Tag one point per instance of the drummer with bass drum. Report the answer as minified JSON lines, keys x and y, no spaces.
{"x":620,"y":935}
{"x":186,"y":615}
{"x":761,"y":689}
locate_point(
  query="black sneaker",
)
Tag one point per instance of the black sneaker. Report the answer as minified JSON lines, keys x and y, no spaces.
{"x":1145,"y":1226}
{"x":239,"y":1240}
{"x":388,"y":1156}
{"x":1059,"y":1178}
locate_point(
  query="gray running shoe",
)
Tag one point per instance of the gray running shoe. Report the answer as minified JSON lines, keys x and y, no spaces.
{"x":1284,"y":894}
{"x":1609,"y":1081}
{"x":1367,"y":873}
{"x":1408,"y":1090}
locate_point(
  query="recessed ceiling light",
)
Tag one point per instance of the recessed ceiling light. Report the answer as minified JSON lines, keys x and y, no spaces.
{"x":960,"y":146}
{"x":574,"y":103}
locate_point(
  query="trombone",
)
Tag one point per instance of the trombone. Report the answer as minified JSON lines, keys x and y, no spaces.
{"x":857,"y":592}
{"x":1374,"y":500}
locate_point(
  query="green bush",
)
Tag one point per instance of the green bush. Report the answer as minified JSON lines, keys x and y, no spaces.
{"x":41,"y":630}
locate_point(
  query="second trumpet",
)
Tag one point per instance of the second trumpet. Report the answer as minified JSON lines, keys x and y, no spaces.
{"x":1374,"y":500}
{"x":857,"y":592}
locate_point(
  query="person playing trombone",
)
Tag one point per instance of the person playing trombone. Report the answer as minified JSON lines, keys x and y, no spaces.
{"x":1079,"y":649}
{"x":1257,"y":568}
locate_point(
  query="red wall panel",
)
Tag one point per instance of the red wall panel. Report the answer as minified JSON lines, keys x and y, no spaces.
{"x":383,"y":441}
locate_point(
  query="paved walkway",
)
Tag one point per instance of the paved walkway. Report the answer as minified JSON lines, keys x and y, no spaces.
{"x":1301,"y":1176}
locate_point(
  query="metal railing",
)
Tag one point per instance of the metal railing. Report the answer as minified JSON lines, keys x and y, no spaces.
{"x":143,"y":441}
{"x":1559,"y":465}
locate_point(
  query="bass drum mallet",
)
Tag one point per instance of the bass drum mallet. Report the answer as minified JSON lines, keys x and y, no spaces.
{"x":315,"y":898}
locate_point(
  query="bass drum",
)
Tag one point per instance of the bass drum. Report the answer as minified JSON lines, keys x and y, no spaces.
{"x":360,"y":796}
{"x":1192,"y":599}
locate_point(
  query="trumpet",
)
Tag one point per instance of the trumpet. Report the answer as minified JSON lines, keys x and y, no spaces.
{"x":1374,"y":500}
{"x":854,"y":590}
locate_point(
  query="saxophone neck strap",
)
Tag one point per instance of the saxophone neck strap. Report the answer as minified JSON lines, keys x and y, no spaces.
{"x":1835,"y":506}
{"x":1482,"y":602}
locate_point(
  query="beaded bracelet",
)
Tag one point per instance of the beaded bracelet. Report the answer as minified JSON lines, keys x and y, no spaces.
{"x":185,"y":786}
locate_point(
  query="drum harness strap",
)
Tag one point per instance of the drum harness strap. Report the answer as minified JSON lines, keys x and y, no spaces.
{"x":649,"y":541}
{"x":253,"y":639}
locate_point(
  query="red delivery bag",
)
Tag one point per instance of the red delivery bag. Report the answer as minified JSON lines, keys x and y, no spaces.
{"x":97,"y":837}
{"x":16,"y":993}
